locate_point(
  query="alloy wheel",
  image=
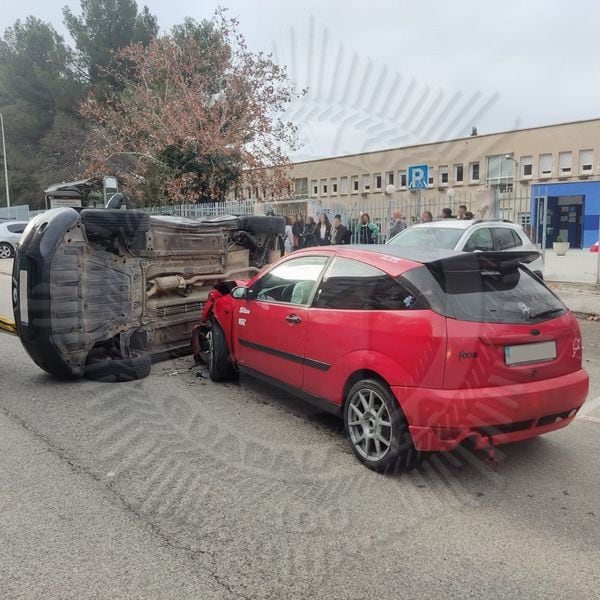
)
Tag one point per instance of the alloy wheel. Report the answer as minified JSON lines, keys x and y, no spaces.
{"x":5,"y":251}
{"x":369,"y":424}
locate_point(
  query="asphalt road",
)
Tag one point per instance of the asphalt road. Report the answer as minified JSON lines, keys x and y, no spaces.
{"x":174,"y":487}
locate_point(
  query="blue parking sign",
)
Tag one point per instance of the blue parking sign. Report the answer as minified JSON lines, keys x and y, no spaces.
{"x":418,"y":177}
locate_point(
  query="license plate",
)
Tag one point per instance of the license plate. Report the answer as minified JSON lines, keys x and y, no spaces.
{"x":528,"y":353}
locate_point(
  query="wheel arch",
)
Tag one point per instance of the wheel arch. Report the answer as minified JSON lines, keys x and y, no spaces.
{"x":357,"y":376}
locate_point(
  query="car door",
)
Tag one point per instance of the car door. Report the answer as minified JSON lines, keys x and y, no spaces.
{"x":270,"y":324}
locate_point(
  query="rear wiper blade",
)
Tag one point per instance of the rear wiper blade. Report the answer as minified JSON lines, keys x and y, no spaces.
{"x":546,"y":313}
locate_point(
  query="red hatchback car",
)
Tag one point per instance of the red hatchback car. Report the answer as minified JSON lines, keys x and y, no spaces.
{"x":419,"y":350}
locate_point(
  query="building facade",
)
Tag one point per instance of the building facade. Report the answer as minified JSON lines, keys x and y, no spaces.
{"x":514,"y":168}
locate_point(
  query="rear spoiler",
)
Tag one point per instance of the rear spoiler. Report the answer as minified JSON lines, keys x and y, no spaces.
{"x":476,"y":261}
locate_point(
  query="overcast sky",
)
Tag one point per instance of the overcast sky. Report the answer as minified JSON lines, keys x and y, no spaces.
{"x":393,"y":72}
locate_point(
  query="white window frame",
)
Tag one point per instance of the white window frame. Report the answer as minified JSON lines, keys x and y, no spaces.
{"x":455,"y":169}
{"x":586,"y":158}
{"x":333,"y":186}
{"x":546,"y":173}
{"x":354,"y":184}
{"x":389,"y":178}
{"x":443,"y":170}
{"x":565,"y":163}
{"x":471,"y":165}
{"x":379,"y":187}
{"x":526,"y":161}
{"x":324,"y":187}
{"x":343,"y":185}
{"x":365,"y":181}
{"x":402,"y":174}
{"x":314,"y":187}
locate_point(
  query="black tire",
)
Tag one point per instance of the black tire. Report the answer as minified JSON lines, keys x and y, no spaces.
{"x":262,"y":225}
{"x":106,"y":369}
{"x":105,"y":224}
{"x":6,"y":250}
{"x":220,"y":367}
{"x":400,"y":455}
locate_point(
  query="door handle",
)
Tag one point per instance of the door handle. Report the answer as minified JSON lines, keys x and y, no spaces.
{"x":293,"y":319}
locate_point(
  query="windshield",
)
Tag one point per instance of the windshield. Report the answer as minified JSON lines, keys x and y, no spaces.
{"x":430,"y":237}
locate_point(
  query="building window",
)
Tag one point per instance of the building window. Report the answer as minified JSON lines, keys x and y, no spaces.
{"x":324,"y":187}
{"x":343,"y":185}
{"x":545,"y":165}
{"x":402,"y":178}
{"x":586,"y":161}
{"x":458,"y":173}
{"x":378,"y":182}
{"x":431,"y":177}
{"x":389,"y":177}
{"x":366,"y":183}
{"x":565,"y":160}
{"x":301,"y":186}
{"x":474,"y":172}
{"x":500,"y":172}
{"x":444,"y":175}
{"x":314,"y":187}
{"x":355,"y":184}
{"x":334,"y":185}
{"x":524,"y":219}
{"x":526,"y":166}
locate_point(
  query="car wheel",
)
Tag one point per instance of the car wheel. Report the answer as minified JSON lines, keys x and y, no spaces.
{"x":136,"y":366}
{"x":377,"y":429}
{"x":6,"y":250}
{"x":262,"y":225}
{"x":220,"y":367}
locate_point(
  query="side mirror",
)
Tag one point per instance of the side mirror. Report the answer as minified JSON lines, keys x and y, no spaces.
{"x":239,"y":292}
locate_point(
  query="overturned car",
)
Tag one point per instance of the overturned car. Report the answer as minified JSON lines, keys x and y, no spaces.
{"x":97,"y":292}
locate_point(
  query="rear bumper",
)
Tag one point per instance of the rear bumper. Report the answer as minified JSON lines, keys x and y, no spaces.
{"x":443,"y":419}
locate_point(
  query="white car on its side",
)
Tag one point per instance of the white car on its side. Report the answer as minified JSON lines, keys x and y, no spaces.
{"x":10,"y":234}
{"x":470,"y":236}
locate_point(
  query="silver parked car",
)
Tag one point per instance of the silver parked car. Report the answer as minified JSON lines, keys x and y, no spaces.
{"x":470,"y":236}
{"x":10,"y":234}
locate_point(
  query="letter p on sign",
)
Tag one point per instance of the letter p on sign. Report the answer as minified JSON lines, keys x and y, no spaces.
{"x":418,"y":177}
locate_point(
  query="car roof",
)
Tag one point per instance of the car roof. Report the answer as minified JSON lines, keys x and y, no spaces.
{"x":396,"y":260}
{"x":393,"y":260}
{"x":465,"y":223}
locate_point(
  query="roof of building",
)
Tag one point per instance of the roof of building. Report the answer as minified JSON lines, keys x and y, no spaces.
{"x":469,"y":137}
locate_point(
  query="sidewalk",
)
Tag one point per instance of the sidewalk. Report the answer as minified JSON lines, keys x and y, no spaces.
{"x":6,"y":266}
{"x":582,"y":299}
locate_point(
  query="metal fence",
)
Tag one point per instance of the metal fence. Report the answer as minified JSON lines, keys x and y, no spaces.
{"x":19,"y":213}
{"x":380,"y":208}
{"x":411,"y":206}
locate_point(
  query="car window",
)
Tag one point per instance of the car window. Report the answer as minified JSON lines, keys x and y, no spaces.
{"x":16,"y":227}
{"x":506,"y":238}
{"x":354,"y":285}
{"x":430,"y":237}
{"x":481,"y":239}
{"x":292,"y":281}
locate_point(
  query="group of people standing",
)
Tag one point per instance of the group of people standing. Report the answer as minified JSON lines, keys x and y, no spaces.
{"x":305,"y":234}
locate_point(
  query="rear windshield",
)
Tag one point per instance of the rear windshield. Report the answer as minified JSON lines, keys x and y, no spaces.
{"x":430,"y":237}
{"x":511,"y":295}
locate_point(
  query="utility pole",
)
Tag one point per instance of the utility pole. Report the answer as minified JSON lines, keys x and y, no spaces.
{"x":5,"y":162}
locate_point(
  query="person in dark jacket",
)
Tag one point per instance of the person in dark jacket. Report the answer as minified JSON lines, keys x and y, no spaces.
{"x":309,"y":232}
{"x":340,"y":234}
{"x":368,"y":233}
{"x":298,"y":232}
{"x":323,"y":231}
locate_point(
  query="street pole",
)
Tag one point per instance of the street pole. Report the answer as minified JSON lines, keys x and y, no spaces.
{"x":598,"y":263}
{"x":5,"y":162}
